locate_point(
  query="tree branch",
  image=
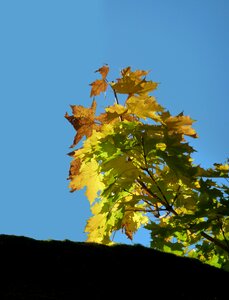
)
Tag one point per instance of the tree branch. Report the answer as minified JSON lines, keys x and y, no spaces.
{"x":216,"y":242}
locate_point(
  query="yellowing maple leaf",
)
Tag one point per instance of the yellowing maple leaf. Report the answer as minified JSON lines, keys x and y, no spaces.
{"x":144,"y":106}
{"x":90,"y":177}
{"x":132,"y":83}
{"x":95,"y":228}
{"x":136,"y":74}
{"x":114,"y":113}
{"x":180,"y":124}
{"x":126,"y":85}
{"x":132,"y":221}
{"x":147,"y":86}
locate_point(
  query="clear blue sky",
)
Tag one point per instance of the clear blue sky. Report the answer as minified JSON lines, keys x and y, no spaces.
{"x":48,"y":54}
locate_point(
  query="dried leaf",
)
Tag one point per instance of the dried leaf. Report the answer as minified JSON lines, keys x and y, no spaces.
{"x":98,"y":86}
{"x":83,"y":120}
{"x":103,"y":71}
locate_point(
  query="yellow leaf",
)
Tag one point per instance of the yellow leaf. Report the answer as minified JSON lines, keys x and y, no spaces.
{"x":161,"y":146}
{"x":144,"y":106}
{"x":132,"y":221}
{"x":90,"y":177}
{"x":197,"y":184}
{"x":126,"y":85}
{"x":133,"y":83}
{"x":114,"y":113}
{"x":116,"y":108}
{"x":136,"y":74}
{"x":148,"y":86}
{"x":180,"y":124}
{"x":222,"y":167}
{"x":95,"y":228}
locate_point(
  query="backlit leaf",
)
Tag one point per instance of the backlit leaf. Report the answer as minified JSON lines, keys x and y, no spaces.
{"x":103,"y":71}
{"x":132,"y":83}
{"x":98,"y":86}
{"x":83,"y":121}
{"x":90,"y":177}
{"x":144,"y":106}
{"x":180,"y":124}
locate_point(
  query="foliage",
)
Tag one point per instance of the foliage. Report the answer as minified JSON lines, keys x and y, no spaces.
{"x":136,"y":164}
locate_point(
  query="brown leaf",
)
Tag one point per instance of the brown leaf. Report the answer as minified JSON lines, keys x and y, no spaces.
{"x":98,"y":86}
{"x":103,"y":71}
{"x":74,"y":167}
{"x":83,"y":120}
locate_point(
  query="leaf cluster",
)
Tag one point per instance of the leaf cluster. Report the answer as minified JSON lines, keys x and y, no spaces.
{"x":136,"y":164}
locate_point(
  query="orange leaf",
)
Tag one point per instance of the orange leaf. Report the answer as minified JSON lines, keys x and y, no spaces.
{"x":98,"y":87}
{"x":103,"y":71}
{"x":83,"y":120}
{"x":74,"y":168}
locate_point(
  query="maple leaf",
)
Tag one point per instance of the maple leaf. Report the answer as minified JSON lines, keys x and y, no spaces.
{"x":103,"y":71}
{"x":132,"y":83}
{"x":83,"y":120}
{"x":132,"y":221}
{"x":180,"y":124}
{"x":90,"y":177}
{"x":136,"y":74}
{"x":98,"y":86}
{"x":96,"y":226}
{"x":114,"y":113}
{"x":74,"y":168}
{"x":144,"y":106}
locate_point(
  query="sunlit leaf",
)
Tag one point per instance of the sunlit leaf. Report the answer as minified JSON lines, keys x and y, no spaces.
{"x":83,"y":121}
{"x":103,"y":71}
{"x":98,"y":86}
{"x":144,"y":106}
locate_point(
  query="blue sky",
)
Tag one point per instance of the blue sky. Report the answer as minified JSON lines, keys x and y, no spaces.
{"x":49,"y":52}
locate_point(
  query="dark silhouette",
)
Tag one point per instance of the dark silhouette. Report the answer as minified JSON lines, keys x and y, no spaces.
{"x":37,"y":269}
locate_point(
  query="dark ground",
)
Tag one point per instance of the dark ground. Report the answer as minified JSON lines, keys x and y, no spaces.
{"x":34,"y":269}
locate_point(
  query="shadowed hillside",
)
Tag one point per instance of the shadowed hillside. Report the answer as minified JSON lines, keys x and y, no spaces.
{"x":34,"y":269}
